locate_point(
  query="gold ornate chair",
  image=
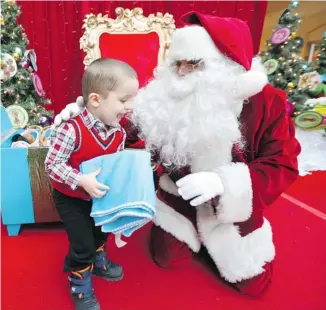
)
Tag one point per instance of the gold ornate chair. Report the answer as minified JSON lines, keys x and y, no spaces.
{"x":131,"y":37}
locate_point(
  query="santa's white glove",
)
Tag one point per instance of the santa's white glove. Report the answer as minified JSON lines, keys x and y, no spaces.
{"x":70,"y":111}
{"x":202,"y":185}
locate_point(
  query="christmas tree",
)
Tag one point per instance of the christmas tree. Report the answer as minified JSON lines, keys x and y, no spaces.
{"x":21,"y":88}
{"x":283,"y":62}
{"x":321,"y":58}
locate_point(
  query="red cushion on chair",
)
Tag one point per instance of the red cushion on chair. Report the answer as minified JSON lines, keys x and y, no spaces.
{"x":139,"y":50}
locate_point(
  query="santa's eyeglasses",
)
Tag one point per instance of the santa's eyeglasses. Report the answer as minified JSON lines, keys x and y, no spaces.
{"x":187,"y":66}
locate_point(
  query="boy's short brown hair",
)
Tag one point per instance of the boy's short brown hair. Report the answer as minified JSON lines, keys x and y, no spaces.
{"x":103,"y":75}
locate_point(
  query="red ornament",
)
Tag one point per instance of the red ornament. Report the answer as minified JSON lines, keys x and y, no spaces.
{"x":289,"y":107}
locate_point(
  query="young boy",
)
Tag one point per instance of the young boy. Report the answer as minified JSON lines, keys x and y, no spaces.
{"x":108,"y":87}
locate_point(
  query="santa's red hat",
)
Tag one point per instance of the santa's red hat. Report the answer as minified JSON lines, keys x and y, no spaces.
{"x":209,"y":37}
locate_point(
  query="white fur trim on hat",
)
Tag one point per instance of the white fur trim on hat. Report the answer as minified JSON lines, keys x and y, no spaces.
{"x":253,"y":81}
{"x":192,"y":43}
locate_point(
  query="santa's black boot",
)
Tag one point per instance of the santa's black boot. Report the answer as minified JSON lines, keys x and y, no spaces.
{"x":106,"y":269}
{"x":82,"y":290}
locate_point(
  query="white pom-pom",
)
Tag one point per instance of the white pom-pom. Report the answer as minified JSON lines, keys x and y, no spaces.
{"x":252,"y":82}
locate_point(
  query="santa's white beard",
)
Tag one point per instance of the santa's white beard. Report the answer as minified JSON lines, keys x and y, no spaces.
{"x":191,"y":120}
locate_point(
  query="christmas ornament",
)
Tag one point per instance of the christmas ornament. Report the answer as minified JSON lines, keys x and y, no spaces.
{"x":10,"y":2}
{"x":299,"y":42}
{"x":38,"y":85}
{"x":9,"y":66}
{"x":294,"y":4}
{"x":293,"y":35}
{"x":279,"y":36}
{"x":288,"y":74}
{"x":270,"y":66}
{"x":289,"y":107}
{"x":30,"y":57}
{"x":18,"y":50}
{"x":309,"y":120}
{"x":18,"y":116}
{"x":45,"y":121}
{"x":16,"y":56}
{"x":291,"y":85}
{"x":25,"y":64}
{"x":8,"y":91}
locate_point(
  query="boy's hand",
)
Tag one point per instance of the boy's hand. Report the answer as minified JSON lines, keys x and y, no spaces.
{"x":92,"y":186}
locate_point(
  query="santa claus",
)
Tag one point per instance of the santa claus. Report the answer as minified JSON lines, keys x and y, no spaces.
{"x":225,"y":149}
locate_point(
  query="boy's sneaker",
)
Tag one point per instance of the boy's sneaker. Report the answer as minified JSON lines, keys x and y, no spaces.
{"x":82,"y":290}
{"x":106,"y":269}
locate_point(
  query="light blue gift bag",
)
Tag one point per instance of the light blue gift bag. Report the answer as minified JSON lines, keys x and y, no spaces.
{"x":130,"y":202}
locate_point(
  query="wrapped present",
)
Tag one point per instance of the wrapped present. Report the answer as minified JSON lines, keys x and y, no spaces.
{"x":26,"y":191}
{"x":130,"y":202}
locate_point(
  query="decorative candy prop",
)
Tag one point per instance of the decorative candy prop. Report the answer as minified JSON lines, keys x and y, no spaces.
{"x":310,"y":120}
{"x":270,"y":66}
{"x":8,"y":67}
{"x":38,"y":85}
{"x":18,"y":116}
{"x":309,"y":80}
{"x":280,"y":35}
{"x":30,"y":58}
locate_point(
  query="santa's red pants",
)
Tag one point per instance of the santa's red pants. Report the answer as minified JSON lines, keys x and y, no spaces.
{"x":168,"y":252}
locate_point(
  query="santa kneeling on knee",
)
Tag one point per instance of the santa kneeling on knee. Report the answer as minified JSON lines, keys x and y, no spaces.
{"x":226,"y":148}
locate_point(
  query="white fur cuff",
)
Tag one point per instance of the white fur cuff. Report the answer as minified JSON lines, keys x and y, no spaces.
{"x":237,"y":258}
{"x":168,"y":185}
{"x":177,"y":225}
{"x":236,"y":202}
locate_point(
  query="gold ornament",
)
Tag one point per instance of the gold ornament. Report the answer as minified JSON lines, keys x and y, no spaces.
{"x":1,"y":63}
{"x":10,"y":2}
{"x":291,"y":85}
{"x":16,"y":56}
{"x":2,"y":21}
{"x":293,"y":35}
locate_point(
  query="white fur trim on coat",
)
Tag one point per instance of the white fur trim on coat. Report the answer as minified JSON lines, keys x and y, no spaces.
{"x":193,"y":43}
{"x":236,"y":202}
{"x":168,"y":185}
{"x":237,"y":258}
{"x":177,"y":225}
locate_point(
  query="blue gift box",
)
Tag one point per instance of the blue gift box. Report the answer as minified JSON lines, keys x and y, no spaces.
{"x":25,"y":188}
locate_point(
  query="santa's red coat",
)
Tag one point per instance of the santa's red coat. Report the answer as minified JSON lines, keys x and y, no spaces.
{"x":232,"y":227}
